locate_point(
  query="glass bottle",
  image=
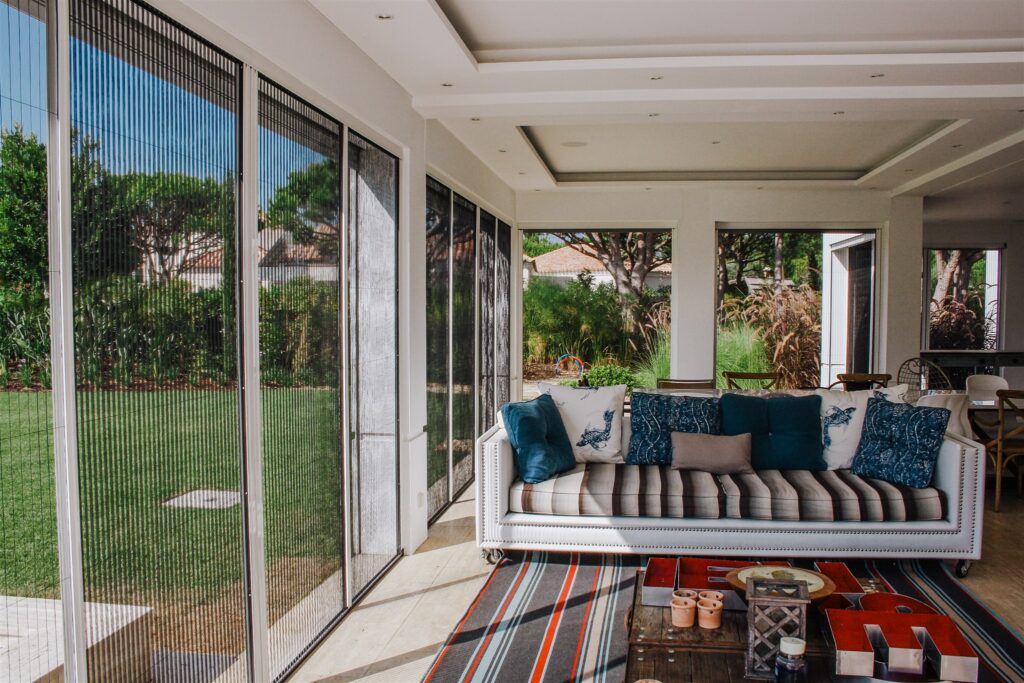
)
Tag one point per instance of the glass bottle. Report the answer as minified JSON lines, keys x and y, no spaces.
{"x":790,"y":665}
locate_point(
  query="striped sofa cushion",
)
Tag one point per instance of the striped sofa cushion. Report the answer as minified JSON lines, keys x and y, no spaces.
{"x":599,"y":489}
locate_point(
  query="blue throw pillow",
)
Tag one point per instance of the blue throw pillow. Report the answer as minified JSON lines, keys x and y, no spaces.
{"x":785,"y":430}
{"x":653,"y":418}
{"x":539,"y":442}
{"x":900,"y":443}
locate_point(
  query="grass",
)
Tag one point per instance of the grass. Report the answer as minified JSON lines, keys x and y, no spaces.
{"x":738,"y":348}
{"x":657,"y":364}
{"x":138,"y":449}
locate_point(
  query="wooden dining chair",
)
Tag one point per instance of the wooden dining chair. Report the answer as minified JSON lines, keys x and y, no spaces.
{"x":685,"y":384}
{"x":1009,"y":442}
{"x":771,"y":379}
{"x":858,"y":381}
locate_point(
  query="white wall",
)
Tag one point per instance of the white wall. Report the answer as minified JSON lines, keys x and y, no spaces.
{"x":694,"y":212}
{"x":993,"y":234}
{"x":292,"y":43}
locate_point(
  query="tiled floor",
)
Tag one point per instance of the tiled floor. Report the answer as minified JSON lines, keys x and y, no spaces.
{"x":393,"y":634}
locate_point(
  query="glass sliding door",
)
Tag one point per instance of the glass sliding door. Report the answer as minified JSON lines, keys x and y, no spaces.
{"x":154,"y":228}
{"x":485,"y":281}
{"x":31,"y":633}
{"x":300,"y":265}
{"x":463,"y":340}
{"x":502,"y":317}
{"x":439,"y":235}
{"x":372,"y":360}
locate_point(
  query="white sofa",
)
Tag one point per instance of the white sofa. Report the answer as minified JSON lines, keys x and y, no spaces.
{"x":959,"y":475}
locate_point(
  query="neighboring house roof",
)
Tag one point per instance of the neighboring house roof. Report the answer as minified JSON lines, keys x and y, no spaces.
{"x":756,"y":283}
{"x":277,"y":248}
{"x":571,"y":261}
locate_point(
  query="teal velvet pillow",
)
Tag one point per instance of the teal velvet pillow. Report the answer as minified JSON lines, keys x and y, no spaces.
{"x":539,"y":441}
{"x":785,"y":430}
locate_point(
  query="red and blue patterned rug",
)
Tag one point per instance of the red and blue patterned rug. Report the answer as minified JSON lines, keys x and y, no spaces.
{"x":544,"y":617}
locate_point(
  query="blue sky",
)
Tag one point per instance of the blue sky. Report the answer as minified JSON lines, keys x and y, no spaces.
{"x":136,"y":116}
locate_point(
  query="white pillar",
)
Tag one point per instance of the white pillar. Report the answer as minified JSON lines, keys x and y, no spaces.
{"x":900,"y":293}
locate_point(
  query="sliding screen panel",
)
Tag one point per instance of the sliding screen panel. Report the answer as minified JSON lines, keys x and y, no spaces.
{"x":300,"y":270}
{"x":31,"y":633}
{"x":372,"y":359}
{"x":439,"y":235}
{"x":485,"y":299}
{"x":502,"y":317}
{"x":154,"y":226}
{"x":463,"y":351}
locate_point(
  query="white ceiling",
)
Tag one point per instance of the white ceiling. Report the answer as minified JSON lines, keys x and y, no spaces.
{"x":994,"y":196}
{"x":829,"y":146}
{"x":909,"y":96}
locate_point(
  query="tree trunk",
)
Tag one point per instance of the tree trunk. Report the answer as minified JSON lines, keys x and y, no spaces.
{"x":945,"y":268}
{"x":778,"y":274}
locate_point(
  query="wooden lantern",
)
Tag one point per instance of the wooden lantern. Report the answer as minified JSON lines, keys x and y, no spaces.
{"x":775,"y":609}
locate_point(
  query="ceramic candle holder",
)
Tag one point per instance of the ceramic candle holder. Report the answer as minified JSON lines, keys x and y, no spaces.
{"x":709,"y":613}
{"x":711,"y":595}
{"x":683,"y":612}
{"x":685,"y":593}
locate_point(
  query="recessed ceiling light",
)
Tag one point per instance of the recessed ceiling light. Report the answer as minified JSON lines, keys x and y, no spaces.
{"x":760,"y":187}
{"x":956,"y":146}
{"x":447,"y":85}
{"x":656,"y":78}
{"x":716,"y":142}
{"x":838,"y":113}
{"x":877,"y":75}
{"x":647,"y":188}
{"x":522,"y":173}
{"x":385,"y":17}
{"x":536,"y":190}
{"x":908,"y":170}
{"x":502,"y":150}
{"x":653,"y":115}
{"x":475,"y":118}
{"x":574,"y":143}
{"x":1020,"y":111}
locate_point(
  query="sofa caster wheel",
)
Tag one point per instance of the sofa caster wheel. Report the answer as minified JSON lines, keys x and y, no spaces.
{"x":493,"y":555}
{"x":963,"y":567}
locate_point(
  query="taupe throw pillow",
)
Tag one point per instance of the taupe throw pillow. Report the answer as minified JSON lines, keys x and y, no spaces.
{"x":711,"y":453}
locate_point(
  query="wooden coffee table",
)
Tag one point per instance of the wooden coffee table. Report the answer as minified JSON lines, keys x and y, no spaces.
{"x":671,"y":655}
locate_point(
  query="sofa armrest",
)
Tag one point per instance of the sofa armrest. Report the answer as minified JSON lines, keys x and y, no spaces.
{"x":960,"y":475}
{"x":495,"y":472}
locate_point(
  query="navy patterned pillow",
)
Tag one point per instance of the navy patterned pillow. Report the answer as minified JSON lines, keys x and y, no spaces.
{"x":655,"y":416}
{"x":900,"y":443}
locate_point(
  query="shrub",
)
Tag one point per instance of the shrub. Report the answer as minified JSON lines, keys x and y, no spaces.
{"x":955,"y":324}
{"x":578,"y":318}
{"x":788,"y":320}
{"x":656,"y":363}
{"x":739,"y":348}
{"x":609,"y":375}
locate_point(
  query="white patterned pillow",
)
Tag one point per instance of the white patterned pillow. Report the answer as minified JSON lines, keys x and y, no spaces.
{"x":593,"y":419}
{"x":842,"y":420}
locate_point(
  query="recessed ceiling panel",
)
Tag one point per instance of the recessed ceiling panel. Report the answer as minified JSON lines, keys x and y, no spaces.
{"x":531,"y":24}
{"x":827,"y":146}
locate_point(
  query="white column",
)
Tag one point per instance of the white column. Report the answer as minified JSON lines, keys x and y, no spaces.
{"x":693,"y":288}
{"x":900,"y":287}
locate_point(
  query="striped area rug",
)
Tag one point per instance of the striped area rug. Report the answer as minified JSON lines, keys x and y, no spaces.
{"x":553,"y":617}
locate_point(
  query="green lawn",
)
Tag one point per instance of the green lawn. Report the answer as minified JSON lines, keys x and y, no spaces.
{"x":138,"y":449}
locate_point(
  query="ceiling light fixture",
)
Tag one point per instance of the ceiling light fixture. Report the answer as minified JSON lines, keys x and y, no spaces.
{"x":447,"y":85}
{"x":956,"y":146}
{"x":475,"y":118}
{"x":653,"y":115}
{"x":760,"y":187}
{"x":502,"y":150}
{"x":574,"y":143}
{"x":522,"y":173}
{"x":838,"y":113}
{"x":716,"y":142}
{"x":877,"y":75}
{"x":385,"y":17}
{"x":908,"y":170}
{"x":656,"y":78}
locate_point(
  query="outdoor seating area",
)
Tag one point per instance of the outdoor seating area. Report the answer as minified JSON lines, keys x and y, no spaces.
{"x":499,"y":341}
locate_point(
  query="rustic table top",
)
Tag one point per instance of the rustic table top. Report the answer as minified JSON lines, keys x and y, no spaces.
{"x":660,"y":651}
